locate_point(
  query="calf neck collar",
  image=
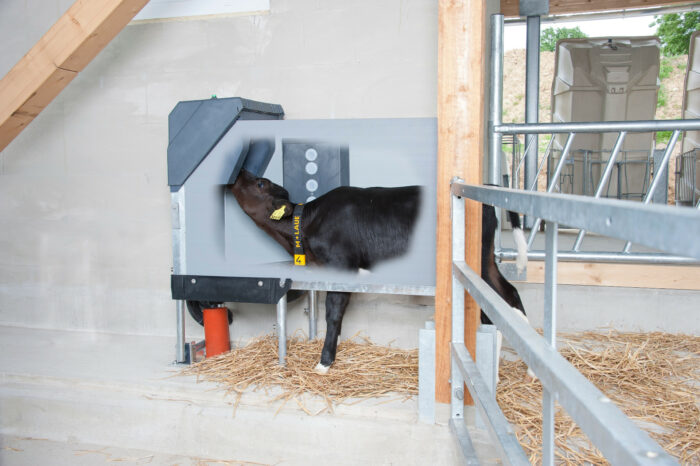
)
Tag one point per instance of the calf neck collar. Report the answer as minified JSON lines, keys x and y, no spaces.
{"x":299,"y":256}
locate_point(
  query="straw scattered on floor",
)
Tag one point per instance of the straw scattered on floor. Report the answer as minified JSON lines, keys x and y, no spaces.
{"x":361,"y":370}
{"x":654,"y":378}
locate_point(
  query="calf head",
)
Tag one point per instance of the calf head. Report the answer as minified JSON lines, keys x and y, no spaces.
{"x":260,"y":198}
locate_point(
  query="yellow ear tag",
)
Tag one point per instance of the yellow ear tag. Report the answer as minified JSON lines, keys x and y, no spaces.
{"x":277,"y":214}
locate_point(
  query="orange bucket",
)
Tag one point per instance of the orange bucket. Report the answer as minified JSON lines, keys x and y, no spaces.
{"x":216,"y":336}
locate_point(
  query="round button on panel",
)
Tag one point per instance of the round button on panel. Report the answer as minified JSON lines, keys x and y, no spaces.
{"x":311,"y":185}
{"x":310,"y":198}
{"x":311,"y":168}
{"x":311,"y":154}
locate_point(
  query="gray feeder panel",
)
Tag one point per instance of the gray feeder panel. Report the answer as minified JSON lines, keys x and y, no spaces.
{"x":311,"y":169}
{"x":216,"y":238}
{"x":195,"y":127}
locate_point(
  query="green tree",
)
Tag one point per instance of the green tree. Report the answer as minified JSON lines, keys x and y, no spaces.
{"x":550,"y":36}
{"x":674,"y":31}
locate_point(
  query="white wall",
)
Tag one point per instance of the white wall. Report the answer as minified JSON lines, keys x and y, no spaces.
{"x":84,"y":201}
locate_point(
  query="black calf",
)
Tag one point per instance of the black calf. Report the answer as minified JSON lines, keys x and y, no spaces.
{"x":351,"y":228}
{"x":489,"y":270}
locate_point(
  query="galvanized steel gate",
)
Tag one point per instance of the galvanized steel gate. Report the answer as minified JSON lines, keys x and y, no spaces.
{"x":675,"y":231}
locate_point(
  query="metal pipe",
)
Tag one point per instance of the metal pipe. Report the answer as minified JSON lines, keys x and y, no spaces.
{"x":498,"y":428}
{"x":550,"y":330}
{"x":496,"y":98}
{"x":532,"y":96}
{"x":640,"y":126}
{"x":282,"y":330}
{"x":180,"y":343}
{"x":545,"y":156}
{"x":617,"y":437}
{"x":657,"y":177}
{"x":602,"y":256}
{"x":603,"y":181}
{"x":553,"y":182}
{"x":313,"y":313}
{"x":662,"y":169}
{"x":666,"y":228}
{"x":456,"y":378}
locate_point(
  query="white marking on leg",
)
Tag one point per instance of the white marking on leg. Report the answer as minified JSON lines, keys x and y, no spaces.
{"x":363,"y":272}
{"x":321,"y":369}
{"x":521,"y":243}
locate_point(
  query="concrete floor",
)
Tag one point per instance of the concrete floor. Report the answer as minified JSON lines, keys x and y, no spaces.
{"x":28,"y":451}
{"x":88,"y":398}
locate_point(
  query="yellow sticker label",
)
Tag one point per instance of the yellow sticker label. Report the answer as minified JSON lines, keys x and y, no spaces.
{"x":299,"y":259}
{"x":277,"y":214}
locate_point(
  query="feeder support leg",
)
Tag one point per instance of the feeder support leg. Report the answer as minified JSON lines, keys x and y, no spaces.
{"x":282,"y":329}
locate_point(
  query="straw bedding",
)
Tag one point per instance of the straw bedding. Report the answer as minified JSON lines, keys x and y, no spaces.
{"x":653,"y":377}
{"x":361,"y":370}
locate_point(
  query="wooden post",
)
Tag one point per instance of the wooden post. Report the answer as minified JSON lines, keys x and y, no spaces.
{"x":71,"y":43}
{"x":461,"y":51}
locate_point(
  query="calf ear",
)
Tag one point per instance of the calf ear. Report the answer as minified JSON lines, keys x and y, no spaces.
{"x":280,"y":209}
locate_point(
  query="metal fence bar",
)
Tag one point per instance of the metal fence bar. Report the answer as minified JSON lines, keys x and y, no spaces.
{"x":666,"y":228}
{"x":599,"y":127}
{"x":180,"y":328}
{"x":553,"y":182}
{"x":456,"y":378}
{"x":313,"y":314}
{"x":282,"y":330}
{"x":532,"y":100}
{"x":459,"y":429}
{"x":545,"y":156}
{"x":602,"y":256}
{"x":608,"y":428}
{"x":498,"y":427}
{"x":516,"y":173}
{"x":550,"y":331}
{"x":603,"y":181}
{"x":657,"y":176}
{"x":496,"y":97}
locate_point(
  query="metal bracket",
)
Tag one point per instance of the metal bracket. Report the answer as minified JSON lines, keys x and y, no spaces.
{"x":194,"y":352}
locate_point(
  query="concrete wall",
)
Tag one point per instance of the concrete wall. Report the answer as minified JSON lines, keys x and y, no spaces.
{"x":84,"y":205}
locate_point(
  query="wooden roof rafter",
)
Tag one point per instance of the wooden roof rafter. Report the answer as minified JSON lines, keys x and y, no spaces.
{"x":65,"y":50}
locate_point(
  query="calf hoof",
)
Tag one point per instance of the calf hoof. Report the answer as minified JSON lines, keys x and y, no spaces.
{"x":321,"y":369}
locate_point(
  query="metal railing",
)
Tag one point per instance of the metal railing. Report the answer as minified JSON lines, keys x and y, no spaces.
{"x":673,"y":231}
{"x":688,"y":178}
{"x":666,"y":228}
{"x":583,"y":168}
{"x":497,"y":130}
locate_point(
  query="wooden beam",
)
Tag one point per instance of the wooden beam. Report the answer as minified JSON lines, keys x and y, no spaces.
{"x":671,"y":277}
{"x":65,"y":50}
{"x":510,"y":8}
{"x":461,"y":42}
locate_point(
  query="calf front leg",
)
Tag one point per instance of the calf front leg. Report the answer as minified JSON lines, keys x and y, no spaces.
{"x":336,"y":303}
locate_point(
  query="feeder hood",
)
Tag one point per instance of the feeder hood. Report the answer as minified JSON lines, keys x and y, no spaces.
{"x":196,"y":127}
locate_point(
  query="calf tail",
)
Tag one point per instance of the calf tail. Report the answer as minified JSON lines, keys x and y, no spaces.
{"x":520,"y":242}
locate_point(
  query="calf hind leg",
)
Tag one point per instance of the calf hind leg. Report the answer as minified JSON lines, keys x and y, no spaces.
{"x":336,"y":303}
